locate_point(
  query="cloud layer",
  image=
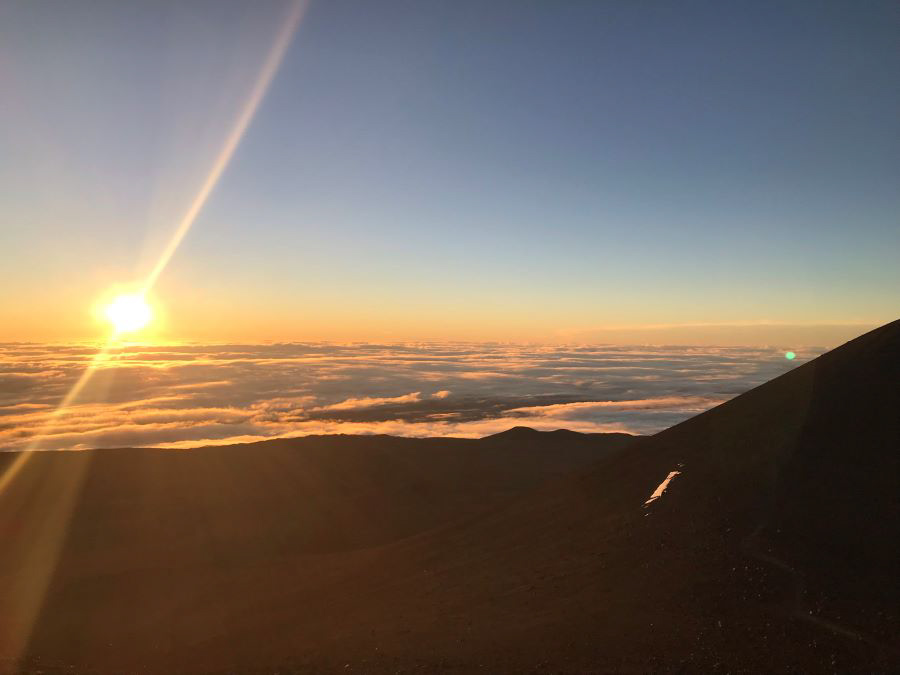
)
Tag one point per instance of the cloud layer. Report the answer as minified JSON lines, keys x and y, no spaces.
{"x":189,"y":395}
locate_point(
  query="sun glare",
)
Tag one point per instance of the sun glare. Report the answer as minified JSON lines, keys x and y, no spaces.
{"x":128,"y":313}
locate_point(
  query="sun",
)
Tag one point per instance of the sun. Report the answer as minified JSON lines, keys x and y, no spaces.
{"x":128,"y":312}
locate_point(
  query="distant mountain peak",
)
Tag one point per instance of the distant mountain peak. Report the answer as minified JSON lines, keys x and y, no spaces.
{"x":517,"y":432}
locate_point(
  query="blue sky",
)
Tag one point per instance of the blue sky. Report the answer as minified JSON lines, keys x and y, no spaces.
{"x":443,"y":170}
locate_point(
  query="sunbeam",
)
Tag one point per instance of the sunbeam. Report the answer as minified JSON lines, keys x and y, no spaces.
{"x":45,"y":538}
{"x":257,"y":93}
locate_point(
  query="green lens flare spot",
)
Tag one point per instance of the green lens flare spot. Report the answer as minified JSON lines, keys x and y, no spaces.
{"x":790,"y":356}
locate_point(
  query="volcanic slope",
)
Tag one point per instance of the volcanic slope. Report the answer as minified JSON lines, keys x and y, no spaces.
{"x":111,"y":541}
{"x":773,"y":548}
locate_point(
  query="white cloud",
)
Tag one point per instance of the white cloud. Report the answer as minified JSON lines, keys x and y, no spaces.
{"x":191,"y":394}
{"x":370,"y":402}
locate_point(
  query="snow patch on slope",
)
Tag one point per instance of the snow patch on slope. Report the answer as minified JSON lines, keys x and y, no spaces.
{"x":658,"y":492}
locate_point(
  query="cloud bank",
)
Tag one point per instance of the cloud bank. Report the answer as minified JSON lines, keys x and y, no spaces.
{"x":188,"y":395}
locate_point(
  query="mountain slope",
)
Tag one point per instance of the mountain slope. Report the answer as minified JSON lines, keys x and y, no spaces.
{"x":733,"y":568}
{"x":116,"y":515}
{"x":774,"y":548}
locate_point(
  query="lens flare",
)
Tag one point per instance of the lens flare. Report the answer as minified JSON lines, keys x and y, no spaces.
{"x":127,"y":313}
{"x":790,"y":356}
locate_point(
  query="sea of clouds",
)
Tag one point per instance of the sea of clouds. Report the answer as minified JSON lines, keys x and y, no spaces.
{"x":181,"y":396}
